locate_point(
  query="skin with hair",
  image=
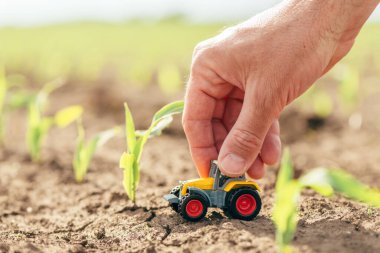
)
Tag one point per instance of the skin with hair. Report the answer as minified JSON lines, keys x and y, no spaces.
{"x":242,"y":79}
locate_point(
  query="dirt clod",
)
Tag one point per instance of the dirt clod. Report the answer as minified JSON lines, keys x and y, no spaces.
{"x":100,"y":233}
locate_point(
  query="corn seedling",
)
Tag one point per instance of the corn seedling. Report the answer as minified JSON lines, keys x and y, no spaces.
{"x":9,"y":99}
{"x":325,"y":182}
{"x":85,"y":150}
{"x":39,"y":125}
{"x":130,"y":160}
{"x":3,"y":93}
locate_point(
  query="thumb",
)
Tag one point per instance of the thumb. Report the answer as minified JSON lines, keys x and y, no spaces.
{"x":243,"y":143}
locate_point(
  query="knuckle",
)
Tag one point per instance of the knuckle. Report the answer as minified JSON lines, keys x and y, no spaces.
{"x":246,"y":140}
{"x":200,"y":48}
{"x":204,"y":50}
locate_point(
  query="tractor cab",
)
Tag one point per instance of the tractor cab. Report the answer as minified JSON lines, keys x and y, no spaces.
{"x":220,"y":180}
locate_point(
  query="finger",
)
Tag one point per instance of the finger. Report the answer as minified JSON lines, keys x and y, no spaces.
{"x":257,"y":170}
{"x":231,"y":113}
{"x":271,"y":149}
{"x":220,"y":133}
{"x":198,"y":113}
{"x":244,"y":141}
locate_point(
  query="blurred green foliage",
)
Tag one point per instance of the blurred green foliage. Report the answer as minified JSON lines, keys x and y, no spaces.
{"x":142,"y":53}
{"x":133,"y":52}
{"x":3,"y":93}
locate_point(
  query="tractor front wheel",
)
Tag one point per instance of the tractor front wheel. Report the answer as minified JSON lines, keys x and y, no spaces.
{"x":192,"y":207}
{"x":244,"y":203}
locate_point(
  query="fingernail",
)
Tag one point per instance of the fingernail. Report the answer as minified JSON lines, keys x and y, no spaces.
{"x":233,"y":164}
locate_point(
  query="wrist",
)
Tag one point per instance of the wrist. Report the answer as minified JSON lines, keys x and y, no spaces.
{"x":340,"y":20}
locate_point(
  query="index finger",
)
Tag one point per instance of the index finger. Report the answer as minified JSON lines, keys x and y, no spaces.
{"x":197,"y":117}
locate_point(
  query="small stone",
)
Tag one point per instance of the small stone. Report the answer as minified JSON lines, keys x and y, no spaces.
{"x":92,"y":245}
{"x":100,"y":233}
{"x":66,"y":238}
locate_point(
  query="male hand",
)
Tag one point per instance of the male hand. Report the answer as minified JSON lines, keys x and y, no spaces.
{"x":243,"y":78}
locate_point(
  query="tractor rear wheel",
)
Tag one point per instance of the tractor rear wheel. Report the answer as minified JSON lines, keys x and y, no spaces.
{"x":175,"y":191}
{"x":193,"y":207}
{"x":244,"y":203}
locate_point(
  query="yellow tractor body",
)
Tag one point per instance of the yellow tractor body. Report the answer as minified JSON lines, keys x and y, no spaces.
{"x":236,"y":196}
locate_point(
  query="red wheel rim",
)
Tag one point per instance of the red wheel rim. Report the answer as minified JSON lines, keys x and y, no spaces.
{"x":246,"y":204}
{"x":194,"y":208}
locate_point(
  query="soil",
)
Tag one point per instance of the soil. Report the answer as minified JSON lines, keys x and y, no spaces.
{"x":42,"y":208}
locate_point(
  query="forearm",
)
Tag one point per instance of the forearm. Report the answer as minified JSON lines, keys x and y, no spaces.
{"x":340,"y":19}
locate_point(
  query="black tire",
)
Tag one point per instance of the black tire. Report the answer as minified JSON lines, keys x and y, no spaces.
{"x":175,"y":191}
{"x":192,"y":199}
{"x":245,"y":208}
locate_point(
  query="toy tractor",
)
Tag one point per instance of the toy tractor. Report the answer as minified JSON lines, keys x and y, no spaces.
{"x":238,"y":197}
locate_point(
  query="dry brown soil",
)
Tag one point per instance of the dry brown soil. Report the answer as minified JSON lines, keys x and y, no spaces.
{"x":42,"y":209}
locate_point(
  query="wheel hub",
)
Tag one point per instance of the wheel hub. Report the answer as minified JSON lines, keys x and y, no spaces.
{"x":194,"y":208}
{"x":246,"y":204}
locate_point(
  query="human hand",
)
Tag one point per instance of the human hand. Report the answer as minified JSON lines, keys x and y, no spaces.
{"x":243,"y":78}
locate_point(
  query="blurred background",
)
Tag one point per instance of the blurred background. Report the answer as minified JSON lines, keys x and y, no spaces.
{"x":145,"y":44}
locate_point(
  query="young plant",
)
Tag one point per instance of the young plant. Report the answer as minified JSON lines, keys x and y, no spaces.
{"x":3,"y":92}
{"x":39,"y":125}
{"x":10,"y":99}
{"x":325,"y":182}
{"x":85,"y":150}
{"x":130,"y":160}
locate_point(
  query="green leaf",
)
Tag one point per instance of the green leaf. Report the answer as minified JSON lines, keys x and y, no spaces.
{"x":20,"y":99}
{"x":130,"y":129}
{"x":162,"y":118}
{"x":102,"y":138}
{"x":285,"y":210}
{"x":78,"y":160}
{"x":285,"y":174}
{"x":3,"y":92}
{"x":157,"y":130}
{"x":169,"y":110}
{"x":318,"y":179}
{"x":347,"y":185}
{"x":127,"y":163}
{"x":43,"y":94}
{"x":3,"y":89}
{"x":67,"y":115}
{"x":33,"y":135}
{"x":285,"y":214}
{"x":84,"y":153}
{"x":326,"y":181}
